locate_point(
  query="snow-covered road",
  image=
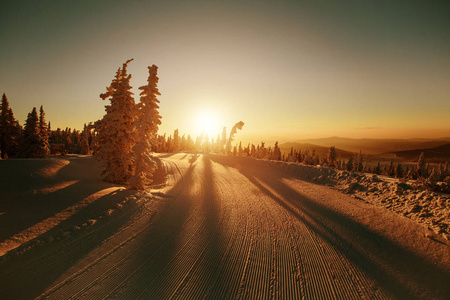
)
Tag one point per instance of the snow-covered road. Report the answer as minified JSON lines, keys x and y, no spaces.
{"x":229,"y":228}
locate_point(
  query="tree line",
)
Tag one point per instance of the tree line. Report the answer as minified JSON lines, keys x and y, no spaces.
{"x":423,"y":173}
{"x":36,"y":139}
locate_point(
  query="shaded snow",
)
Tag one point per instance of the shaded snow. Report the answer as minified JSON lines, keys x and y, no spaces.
{"x":220,"y":227}
{"x":428,"y":208}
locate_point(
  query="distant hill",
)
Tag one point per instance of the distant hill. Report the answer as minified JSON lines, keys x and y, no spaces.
{"x":376,"y":146}
{"x":441,"y":153}
{"x":320,"y":150}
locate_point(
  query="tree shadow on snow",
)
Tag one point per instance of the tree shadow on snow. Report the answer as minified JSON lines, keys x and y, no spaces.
{"x":159,"y":243}
{"x":347,"y":236}
{"x":29,"y":205}
{"x":57,"y":256}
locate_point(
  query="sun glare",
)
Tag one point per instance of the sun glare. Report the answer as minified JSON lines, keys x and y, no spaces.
{"x":208,"y":122}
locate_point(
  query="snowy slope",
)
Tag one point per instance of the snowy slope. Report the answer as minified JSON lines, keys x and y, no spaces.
{"x":234,"y":228}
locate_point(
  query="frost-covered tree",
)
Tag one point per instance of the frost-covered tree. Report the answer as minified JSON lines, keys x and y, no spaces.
{"x":358,"y":163}
{"x":349,"y":165}
{"x":176,"y":140}
{"x":43,"y":129}
{"x":399,"y":173}
{"x":190,"y":143}
{"x":84,"y":143}
{"x":116,"y":134}
{"x":332,"y":157}
{"x":10,"y":130}
{"x":32,"y":144}
{"x":377,"y":169}
{"x":391,"y":169}
{"x":84,"y":140}
{"x":276,"y":152}
{"x":4,"y":126}
{"x":234,"y":130}
{"x":147,"y":123}
{"x":421,"y":168}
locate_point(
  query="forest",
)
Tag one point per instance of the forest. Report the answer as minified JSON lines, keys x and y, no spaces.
{"x":125,"y":138}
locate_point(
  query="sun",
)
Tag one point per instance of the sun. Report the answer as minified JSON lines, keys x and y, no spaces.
{"x":207,"y":122}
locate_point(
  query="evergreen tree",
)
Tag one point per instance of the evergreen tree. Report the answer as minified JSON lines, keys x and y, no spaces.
{"x":32,"y":144}
{"x":399,"y":171}
{"x":43,"y":129}
{"x":67,"y":139}
{"x":358,"y":163}
{"x":391,"y":170}
{"x":75,"y":139}
{"x":84,"y":149}
{"x":190,"y":143}
{"x":4,"y":126}
{"x":147,"y":123}
{"x":421,"y":168}
{"x":14,"y":136}
{"x":332,"y":157}
{"x":198,"y":142}
{"x":253,"y":151}
{"x":176,"y":140}
{"x":385,"y":170}
{"x":10,"y":130}
{"x":377,"y":169}
{"x":433,"y":178}
{"x":276,"y":152}
{"x":350,"y":164}
{"x":183,"y":143}
{"x":116,"y":136}
{"x":234,"y":130}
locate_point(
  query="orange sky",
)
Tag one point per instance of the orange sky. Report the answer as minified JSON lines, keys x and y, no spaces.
{"x":288,"y":69}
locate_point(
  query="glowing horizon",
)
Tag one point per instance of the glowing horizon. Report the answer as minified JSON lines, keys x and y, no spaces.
{"x":289,"y":70}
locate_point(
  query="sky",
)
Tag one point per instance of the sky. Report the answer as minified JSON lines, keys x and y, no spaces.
{"x":288,"y":69}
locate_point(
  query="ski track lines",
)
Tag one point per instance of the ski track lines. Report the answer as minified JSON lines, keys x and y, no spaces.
{"x":313,"y":262}
{"x":221,"y":234}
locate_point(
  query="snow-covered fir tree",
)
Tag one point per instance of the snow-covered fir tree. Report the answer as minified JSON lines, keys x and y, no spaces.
{"x":421,"y":167}
{"x":332,"y":157}
{"x":234,"y":130}
{"x":10,"y":130}
{"x":32,"y":144}
{"x":146,"y":124}
{"x":116,"y":134}
{"x":43,"y":130}
{"x":176,"y":139}
{"x":377,"y":169}
{"x":399,"y":173}
{"x":276,"y":155}
{"x":84,"y":142}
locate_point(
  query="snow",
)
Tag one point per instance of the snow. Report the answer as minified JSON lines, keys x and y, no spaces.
{"x":40,"y":194}
{"x":220,"y":227}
